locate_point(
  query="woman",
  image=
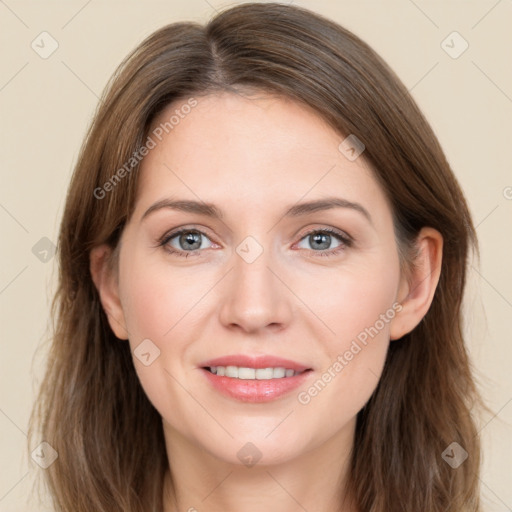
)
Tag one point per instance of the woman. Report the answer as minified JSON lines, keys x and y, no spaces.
{"x":256,"y":370}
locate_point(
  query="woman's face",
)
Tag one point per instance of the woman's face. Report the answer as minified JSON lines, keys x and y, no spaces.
{"x":265,"y":279}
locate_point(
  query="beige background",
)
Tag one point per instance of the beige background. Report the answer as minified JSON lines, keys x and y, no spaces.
{"x":46,"y":105}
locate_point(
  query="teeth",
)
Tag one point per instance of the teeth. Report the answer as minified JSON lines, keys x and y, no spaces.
{"x":265,"y":373}
{"x":232,"y":371}
{"x":244,"y":373}
{"x":279,"y":373}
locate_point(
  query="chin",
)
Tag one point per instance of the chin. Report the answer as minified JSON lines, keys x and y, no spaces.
{"x":251,"y":447}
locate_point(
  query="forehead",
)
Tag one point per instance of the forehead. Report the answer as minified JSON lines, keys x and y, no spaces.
{"x":261,"y":150}
{"x":227,"y":124}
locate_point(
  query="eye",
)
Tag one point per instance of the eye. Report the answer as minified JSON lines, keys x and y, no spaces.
{"x":189,"y":242}
{"x":322,"y":239}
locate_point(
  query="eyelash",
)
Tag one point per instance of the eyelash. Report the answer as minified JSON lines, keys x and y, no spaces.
{"x":346,"y":241}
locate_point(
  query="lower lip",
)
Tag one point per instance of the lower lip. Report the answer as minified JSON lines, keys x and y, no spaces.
{"x":254,"y":390}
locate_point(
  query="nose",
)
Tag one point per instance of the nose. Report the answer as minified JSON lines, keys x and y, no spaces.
{"x":254,"y":296}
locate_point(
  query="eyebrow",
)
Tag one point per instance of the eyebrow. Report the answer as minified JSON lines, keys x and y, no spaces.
{"x":297,"y":210}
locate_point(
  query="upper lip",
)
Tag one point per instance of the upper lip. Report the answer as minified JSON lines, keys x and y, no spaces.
{"x":255,"y":361}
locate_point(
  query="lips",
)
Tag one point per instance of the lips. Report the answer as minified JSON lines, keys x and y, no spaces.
{"x":254,"y":390}
{"x":260,"y":361}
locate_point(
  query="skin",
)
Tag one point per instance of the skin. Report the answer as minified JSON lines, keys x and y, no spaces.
{"x":267,"y":154}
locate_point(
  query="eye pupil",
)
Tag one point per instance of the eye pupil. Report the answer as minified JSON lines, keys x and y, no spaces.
{"x":191,"y":238}
{"x":317,"y":237}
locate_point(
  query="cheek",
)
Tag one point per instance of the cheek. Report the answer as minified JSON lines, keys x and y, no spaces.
{"x":353,"y":298}
{"x":158,"y":305}
{"x":359,"y":308}
{"x":167,"y":306}
{"x":156,"y":299}
{"x":362,"y":300}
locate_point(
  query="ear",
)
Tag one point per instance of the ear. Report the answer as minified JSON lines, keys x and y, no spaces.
{"x":105,"y":279}
{"x":416,"y":290}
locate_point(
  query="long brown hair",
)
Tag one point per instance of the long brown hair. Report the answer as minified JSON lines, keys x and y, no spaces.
{"x":92,"y":408}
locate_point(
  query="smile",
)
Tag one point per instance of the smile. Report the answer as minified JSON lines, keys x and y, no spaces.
{"x":244,"y":373}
